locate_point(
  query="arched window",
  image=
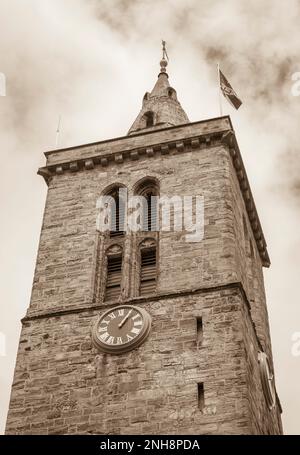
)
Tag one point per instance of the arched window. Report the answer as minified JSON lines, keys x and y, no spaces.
{"x":149,"y":190}
{"x":148,"y":267}
{"x":114,"y":273}
{"x":117,"y":224}
{"x":149,"y":118}
{"x":150,"y":210}
{"x":171,"y":92}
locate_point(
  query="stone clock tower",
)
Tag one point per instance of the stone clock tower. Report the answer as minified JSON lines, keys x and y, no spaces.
{"x":142,"y":331}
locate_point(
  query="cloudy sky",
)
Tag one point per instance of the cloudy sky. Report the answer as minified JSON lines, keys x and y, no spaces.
{"x":91,"y":61}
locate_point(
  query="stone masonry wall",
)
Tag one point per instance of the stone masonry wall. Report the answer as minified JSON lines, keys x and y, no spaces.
{"x":67,"y":253}
{"x":249,"y":267}
{"x":264,"y":420}
{"x":63,"y":385}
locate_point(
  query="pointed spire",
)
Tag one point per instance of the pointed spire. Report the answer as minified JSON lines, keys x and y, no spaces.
{"x":160,"y":107}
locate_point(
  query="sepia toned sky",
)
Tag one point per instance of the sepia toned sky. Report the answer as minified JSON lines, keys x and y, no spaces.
{"x":91,"y":61}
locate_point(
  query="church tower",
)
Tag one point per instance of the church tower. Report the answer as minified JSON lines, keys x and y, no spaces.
{"x":149,"y":330}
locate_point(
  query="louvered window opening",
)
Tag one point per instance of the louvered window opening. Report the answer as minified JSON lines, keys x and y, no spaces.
{"x":113,"y":280}
{"x":117,"y":217}
{"x":150,"y":213}
{"x":148,"y":272}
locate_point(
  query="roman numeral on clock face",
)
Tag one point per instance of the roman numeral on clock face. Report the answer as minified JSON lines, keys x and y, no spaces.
{"x":121,"y":312}
{"x":135,"y":330}
{"x":110,"y":340}
{"x":103,"y":329}
{"x":138,"y":322}
{"x":104,"y":336}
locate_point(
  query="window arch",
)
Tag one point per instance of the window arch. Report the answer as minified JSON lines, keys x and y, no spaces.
{"x":172,"y":93}
{"x":117,"y":210}
{"x":114,"y":256}
{"x":148,"y":267}
{"x":149,"y":119}
{"x":148,"y":188}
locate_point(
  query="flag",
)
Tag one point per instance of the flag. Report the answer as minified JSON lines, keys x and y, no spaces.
{"x":228,"y":91}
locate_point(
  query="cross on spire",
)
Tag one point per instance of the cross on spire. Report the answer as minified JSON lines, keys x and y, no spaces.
{"x":165,"y":58}
{"x":165,"y":54}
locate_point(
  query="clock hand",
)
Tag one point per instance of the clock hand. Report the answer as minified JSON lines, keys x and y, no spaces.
{"x":124,"y":319}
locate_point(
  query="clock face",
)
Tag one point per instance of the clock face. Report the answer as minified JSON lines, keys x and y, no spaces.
{"x":121,"y":329}
{"x":267,"y":379}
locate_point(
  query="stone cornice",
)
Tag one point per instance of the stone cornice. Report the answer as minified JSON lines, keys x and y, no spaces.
{"x":31,"y":316}
{"x":186,"y":143}
{"x":230,"y":140}
{"x":105,"y":159}
{"x":143,"y":133}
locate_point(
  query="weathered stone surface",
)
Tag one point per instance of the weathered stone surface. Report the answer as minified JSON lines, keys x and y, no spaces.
{"x":162,"y":105}
{"x":152,"y":386}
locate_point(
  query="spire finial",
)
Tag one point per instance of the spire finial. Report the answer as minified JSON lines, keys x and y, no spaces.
{"x":165,"y":58}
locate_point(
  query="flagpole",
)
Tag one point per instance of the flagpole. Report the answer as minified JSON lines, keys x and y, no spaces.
{"x":220,"y":94}
{"x":57,"y":132}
